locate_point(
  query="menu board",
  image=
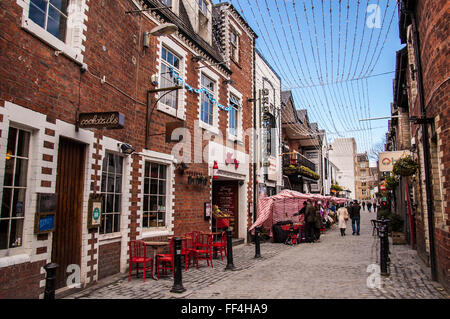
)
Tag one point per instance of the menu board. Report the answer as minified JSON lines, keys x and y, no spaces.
{"x":224,"y":198}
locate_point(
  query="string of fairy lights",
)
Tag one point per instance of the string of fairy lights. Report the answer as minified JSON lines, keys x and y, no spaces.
{"x":325,"y":54}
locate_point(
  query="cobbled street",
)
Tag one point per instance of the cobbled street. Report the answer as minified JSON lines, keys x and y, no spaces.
{"x":336,"y":267}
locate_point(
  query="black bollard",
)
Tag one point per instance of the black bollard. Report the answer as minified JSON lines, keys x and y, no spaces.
{"x":383,"y":254}
{"x":230,"y":265}
{"x":49,"y":292}
{"x":177,"y":277}
{"x":257,"y":244}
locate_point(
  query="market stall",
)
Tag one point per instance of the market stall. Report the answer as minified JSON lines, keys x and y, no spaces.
{"x":281,"y":208}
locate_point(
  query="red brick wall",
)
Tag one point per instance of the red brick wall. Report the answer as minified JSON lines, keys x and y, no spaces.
{"x":21,"y":281}
{"x":108,"y":260}
{"x":433,"y":25}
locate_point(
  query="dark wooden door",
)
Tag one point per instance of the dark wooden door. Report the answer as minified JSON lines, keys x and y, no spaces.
{"x":66,"y":248}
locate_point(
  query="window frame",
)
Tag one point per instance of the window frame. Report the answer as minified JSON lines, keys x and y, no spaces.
{"x":13,"y":188}
{"x":179,"y":52}
{"x":204,"y":97}
{"x":105,"y":193}
{"x":239,"y":130}
{"x":47,"y":16}
{"x":149,"y":194}
{"x":234,"y":47}
{"x":214,"y":128}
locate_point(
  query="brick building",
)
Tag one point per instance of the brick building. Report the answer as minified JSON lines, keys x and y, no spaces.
{"x":423,"y":93}
{"x":362,"y":177}
{"x":61,"y":61}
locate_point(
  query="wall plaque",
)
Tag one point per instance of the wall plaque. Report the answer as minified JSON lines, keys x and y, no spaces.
{"x":95,"y":209}
{"x":45,"y":213}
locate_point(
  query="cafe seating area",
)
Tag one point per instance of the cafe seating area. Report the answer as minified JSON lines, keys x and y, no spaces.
{"x":196,"y":246}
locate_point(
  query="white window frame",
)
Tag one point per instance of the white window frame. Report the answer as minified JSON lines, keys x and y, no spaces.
{"x":203,"y":7}
{"x":214,"y":128}
{"x":238,"y":136}
{"x":235,"y":29}
{"x":122,"y":197}
{"x":169,"y":44}
{"x":167,"y":180}
{"x":8,"y":249}
{"x":72,"y":47}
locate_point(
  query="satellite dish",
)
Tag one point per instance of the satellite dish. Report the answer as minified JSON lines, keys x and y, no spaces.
{"x":164,"y":29}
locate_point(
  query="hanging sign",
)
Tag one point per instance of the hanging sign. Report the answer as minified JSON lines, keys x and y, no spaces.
{"x":107,"y":120}
{"x":386,"y":159}
{"x":199,"y":91}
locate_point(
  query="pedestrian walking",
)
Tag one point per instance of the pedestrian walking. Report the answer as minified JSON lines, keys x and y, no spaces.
{"x":355,"y":217}
{"x":310,"y":215}
{"x":318,"y":223}
{"x":375,"y":207}
{"x":364,"y":205}
{"x":369,"y":206}
{"x":342,"y":215}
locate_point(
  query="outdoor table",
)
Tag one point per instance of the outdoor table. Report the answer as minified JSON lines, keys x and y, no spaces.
{"x":155,"y":245}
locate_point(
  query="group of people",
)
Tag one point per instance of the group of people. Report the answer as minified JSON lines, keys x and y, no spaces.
{"x":314,"y":216}
{"x":352,"y":211}
{"x":369,"y":206}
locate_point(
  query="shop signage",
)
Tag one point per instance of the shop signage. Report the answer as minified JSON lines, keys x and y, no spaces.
{"x":45,"y":213}
{"x":272,"y":169}
{"x":99,"y":120}
{"x":95,"y":209}
{"x":386,"y":159}
{"x":230,"y":160}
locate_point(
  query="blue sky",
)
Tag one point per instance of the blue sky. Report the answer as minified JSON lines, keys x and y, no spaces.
{"x":331,"y":63}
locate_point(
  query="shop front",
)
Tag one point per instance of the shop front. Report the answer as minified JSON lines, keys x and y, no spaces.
{"x":229,"y":190}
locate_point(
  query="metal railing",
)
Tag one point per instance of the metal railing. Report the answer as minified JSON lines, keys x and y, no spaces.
{"x":297,"y":159}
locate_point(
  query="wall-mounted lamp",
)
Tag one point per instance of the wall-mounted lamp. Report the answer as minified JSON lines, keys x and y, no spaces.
{"x":127,"y":149}
{"x":182,"y":167}
{"x":197,"y":58}
{"x":162,"y":29}
{"x":228,"y":81}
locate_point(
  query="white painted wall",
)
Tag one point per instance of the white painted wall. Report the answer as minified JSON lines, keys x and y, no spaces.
{"x":343,"y":155}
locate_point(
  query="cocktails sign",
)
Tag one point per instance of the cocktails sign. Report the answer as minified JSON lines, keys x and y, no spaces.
{"x":99,"y":120}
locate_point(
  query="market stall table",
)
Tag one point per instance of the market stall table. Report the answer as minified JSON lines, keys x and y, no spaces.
{"x":155,"y":245}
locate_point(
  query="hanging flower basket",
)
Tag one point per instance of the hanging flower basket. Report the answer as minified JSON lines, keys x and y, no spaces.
{"x":405,"y":166}
{"x":305,"y":171}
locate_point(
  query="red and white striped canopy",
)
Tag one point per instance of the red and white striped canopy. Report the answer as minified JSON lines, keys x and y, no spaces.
{"x":284,"y":205}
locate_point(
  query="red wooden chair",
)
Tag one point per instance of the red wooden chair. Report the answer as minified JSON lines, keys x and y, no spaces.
{"x":165,"y":262}
{"x":203,"y":248}
{"x":221,"y":245}
{"x":187,"y":245}
{"x":138,"y":255}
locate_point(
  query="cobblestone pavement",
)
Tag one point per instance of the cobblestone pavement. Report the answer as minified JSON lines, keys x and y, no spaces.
{"x":336,"y":267}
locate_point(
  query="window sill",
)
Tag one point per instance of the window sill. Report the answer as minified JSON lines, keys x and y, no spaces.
{"x":50,"y":40}
{"x":155,"y":232}
{"x":170,"y":111}
{"x":210,"y":128}
{"x":109,"y":237}
{"x":8,"y":261}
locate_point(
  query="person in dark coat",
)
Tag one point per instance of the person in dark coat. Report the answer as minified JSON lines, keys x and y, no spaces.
{"x":355,"y":217}
{"x":310,"y":213}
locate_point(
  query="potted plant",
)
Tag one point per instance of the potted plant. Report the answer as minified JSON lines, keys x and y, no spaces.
{"x":405,"y":166}
{"x":291,"y":169}
{"x":396,"y":225}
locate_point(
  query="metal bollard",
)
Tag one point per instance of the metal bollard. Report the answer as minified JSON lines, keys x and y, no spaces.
{"x":257,"y":244}
{"x":383,"y":256}
{"x":49,"y":292}
{"x":230,"y":265}
{"x":177,"y":277}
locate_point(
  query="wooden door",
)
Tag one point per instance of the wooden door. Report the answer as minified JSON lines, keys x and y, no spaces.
{"x":66,"y":247}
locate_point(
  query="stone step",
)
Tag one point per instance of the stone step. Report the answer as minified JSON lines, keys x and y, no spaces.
{"x":237,"y":241}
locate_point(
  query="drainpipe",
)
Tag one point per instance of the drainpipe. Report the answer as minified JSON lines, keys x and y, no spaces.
{"x":426,"y":149}
{"x":255,"y":197}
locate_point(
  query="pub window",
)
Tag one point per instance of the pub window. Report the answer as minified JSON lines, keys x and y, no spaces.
{"x":234,"y":45}
{"x":14,"y":188}
{"x":167,"y":78}
{"x":233,"y":115}
{"x":112,"y":190}
{"x":51,"y":15}
{"x":207,"y":105}
{"x":155,"y":192}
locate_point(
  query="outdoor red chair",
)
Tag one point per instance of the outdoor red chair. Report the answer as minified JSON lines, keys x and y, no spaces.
{"x":138,"y":255}
{"x":221,"y":245}
{"x":165,"y":262}
{"x":187,"y":245}
{"x":203,"y":248}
